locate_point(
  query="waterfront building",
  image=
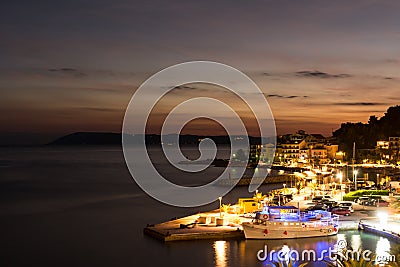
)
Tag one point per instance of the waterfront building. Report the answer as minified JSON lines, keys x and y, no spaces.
{"x":291,"y":151}
{"x":298,"y":148}
{"x":389,"y":149}
{"x":261,"y":154}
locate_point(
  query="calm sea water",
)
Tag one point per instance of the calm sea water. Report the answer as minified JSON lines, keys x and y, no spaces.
{"x":78,"y":206}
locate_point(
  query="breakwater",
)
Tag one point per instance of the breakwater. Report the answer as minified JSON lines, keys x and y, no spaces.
{"x":283,"y":179}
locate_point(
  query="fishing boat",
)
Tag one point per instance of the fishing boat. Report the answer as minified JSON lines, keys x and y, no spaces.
{"x":281,"y":222}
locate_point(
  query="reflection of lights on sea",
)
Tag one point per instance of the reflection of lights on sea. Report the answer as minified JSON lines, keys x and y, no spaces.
{"x":285,"y":253}
{"x":321,"y":245}
{"x":341,"y":242}
{"x":355,"y":242}
{"x":220,"y":250}
{"x":382,"y":249}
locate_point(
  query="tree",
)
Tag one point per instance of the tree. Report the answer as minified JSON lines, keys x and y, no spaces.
{"x":299,"y":185}
{"x":365,"y":135}
{"x":373,"y":120}
{"x":226,"y":207}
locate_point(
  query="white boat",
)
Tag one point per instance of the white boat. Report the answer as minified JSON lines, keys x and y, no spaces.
{"x":281,"y":222}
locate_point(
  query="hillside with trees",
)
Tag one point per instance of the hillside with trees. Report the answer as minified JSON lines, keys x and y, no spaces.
{"x":366,"y":134}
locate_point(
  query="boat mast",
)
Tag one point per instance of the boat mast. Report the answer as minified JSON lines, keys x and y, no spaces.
{"x":353,"y":160}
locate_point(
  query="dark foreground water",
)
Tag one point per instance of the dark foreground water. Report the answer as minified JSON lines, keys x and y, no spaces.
{"x":80,"y":207}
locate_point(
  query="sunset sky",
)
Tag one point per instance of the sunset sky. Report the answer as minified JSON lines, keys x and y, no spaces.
{"x":70,"y":66}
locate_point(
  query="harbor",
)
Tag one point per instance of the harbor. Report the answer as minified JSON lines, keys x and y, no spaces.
{"x":222,"y":225}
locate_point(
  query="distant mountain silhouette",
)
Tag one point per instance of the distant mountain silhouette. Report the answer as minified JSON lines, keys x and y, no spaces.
{"x":89,"y":138}
{"x":99,"y":138}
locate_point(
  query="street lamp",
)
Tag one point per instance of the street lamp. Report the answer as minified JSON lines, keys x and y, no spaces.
{"x":340,"y":176}
{"x":355,"y":179}
{"x":377,"y":180}
{"x":220,"y":206}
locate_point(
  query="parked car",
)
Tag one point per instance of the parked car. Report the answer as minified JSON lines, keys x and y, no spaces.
{"x":289,"y":197}
{"x":317,"y":199}
{"x":347,"y":204}
{"x":341,"y":211}
{"x":326,"y":200}
{"x":369,"y":202}
{"x":372,"y":200}
{"x":317,"y":207}
{"x":363,"y":200}
{"x":379,"y":203}
{"x":330,"y":204}
{"x":320,"y":198}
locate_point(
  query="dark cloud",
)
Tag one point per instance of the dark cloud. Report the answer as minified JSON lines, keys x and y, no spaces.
{"x":319,"y":74}
{"x":205,"y":88}
{"x":359,"y":104}
{"x":185,"y":87}
{"x":71,"y":71}
{"x":287,"y":97}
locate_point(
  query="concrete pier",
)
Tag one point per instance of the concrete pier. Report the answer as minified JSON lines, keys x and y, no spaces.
{"x":380,"y":231}
{"x":198,"y":226}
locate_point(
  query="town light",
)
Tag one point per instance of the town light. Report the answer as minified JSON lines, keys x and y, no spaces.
{"x":355,"y":179}
{"x":220,"y":206}
{"x":383,"y":218}
{"x":340,"y":176}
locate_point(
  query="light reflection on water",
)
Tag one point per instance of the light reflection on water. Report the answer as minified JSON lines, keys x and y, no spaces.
{"x":356,"y":242}
{"x":244,"y":252}
{"x":221,"y":248}
{"x":382,"y":249}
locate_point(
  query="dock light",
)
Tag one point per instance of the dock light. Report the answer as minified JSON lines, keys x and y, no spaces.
{"x":220,"y":206}
{"x":355,"y":179}
{"x":383,"y":218}
{"x":256,"y":196}
{"x":340,"y":176}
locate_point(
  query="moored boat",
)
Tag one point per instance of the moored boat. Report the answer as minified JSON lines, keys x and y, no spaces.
{"x":281,"y":222}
